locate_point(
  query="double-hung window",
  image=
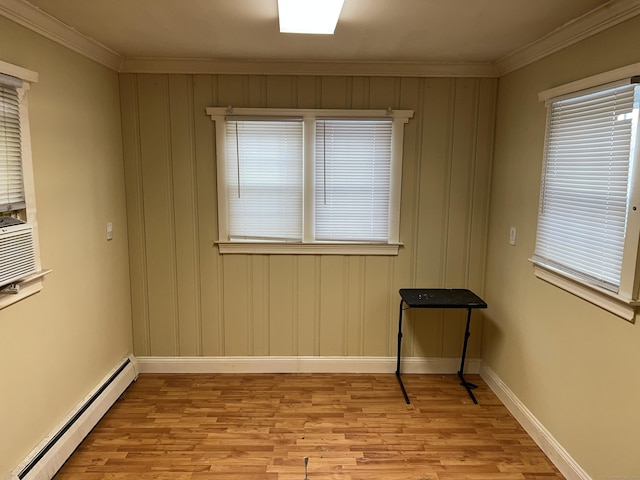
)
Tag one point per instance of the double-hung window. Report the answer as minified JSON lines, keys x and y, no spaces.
{"x":588,"y":221}
{"x":20,"y":271}
{"x":309,"y":181}
{"x":12,"y":199}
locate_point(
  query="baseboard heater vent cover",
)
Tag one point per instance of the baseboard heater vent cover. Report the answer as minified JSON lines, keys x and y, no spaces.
{"x":47,"y":458}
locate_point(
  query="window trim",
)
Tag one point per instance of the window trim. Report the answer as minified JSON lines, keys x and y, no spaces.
{"x":308,"y":246}
{"x":33,"y":283}
{"x":623,"y":303}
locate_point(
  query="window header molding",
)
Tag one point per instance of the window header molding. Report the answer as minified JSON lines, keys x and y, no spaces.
{"x":18,"y":72}
{"x":590,"y":82}
{"x":223,"y":112}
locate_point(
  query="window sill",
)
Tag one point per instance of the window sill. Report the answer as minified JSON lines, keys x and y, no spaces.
{"x":28,"y":286}
{"x":273,"y":248}
{"x":606,"y":300}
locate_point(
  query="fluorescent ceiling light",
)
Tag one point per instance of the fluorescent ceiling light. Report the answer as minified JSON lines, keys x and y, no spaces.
{"x":309,"y":16}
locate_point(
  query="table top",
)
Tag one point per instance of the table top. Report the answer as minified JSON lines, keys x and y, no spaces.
{"x":441,"y":298}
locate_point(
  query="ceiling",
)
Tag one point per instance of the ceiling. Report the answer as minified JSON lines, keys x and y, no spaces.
{"x":374,"y":32}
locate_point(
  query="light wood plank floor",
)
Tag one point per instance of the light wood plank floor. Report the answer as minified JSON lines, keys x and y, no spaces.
{"x":351,"y":427}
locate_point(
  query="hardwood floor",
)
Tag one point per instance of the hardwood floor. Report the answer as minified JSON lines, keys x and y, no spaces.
{"x":351,"y":427}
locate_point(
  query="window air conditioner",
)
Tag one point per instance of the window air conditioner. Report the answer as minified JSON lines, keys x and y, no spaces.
{"x":17,"y":251}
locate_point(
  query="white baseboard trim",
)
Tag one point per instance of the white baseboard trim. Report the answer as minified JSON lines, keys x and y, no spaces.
{"x":549,"y":445}
{"x":47,"y":458}
{"x":303,"y":365}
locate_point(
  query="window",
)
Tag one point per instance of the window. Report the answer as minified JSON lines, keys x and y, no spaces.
{"x":264,"y":180}
{"x":20,"y":271}
{"x":11,"y":185}
{"x":588,"y":223}
{"x":309,"y":181}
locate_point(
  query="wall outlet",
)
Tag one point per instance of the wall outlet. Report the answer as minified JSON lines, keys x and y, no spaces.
{"x":512,"y":236}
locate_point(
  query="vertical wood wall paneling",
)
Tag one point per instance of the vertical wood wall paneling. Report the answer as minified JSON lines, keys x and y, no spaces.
{"x":155,"y":146}
{"x":482,"y":184}
{"x":237,"y":296}
{"x":437,"y":113}
{"x":282,"y":339}
{"x":460,"y":198}
{"x":281,"y":91}
{"x":360,"y":92}
{"x":202,"y":303}
{"x":480,"y":204}
{"x":135,"y":213}
{"x":332,"y":298}
{"x":185,"y":213}
{"x":308,"y":305}
{"x":210,"y":262}
{"x":259,"y":269}
{"x":355,"y":314}
{"x":335,"y":93}
{"x":309,"y":91}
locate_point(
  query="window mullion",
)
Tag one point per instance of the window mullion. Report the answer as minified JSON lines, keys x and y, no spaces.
{"x":308,"y":171}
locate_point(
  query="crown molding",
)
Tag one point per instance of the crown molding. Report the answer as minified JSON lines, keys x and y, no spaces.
{"x":602,"y":18}
{"x":50,"y":27}
{"x":304,"y":67}
{"x":589,"y":24}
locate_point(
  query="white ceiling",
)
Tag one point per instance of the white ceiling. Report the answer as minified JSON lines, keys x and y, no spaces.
{"x":416,"y":32}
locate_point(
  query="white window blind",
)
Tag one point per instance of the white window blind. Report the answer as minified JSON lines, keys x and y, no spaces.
{"x":352,"y":179}
{"x":309,"y":181}
{"x":586,"y":184}
{"x":264,"y":179}
{"x":11,"y":182}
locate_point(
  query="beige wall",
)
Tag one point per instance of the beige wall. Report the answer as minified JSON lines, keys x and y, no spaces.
{"x":189,"y":300}
{"x":57,"y":345}
{"x":574,"y":365}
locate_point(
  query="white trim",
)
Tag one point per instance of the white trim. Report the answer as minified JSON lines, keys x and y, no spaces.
{"x":398,"y":118}
{"x":306,"y":67}
{"x":28,"y":286}
{"x":18,"y":72}
{"x":543,"y":438}
{"x":220,"y":113}
{"x":62,"y":448}
{"x":269,"y":248}
{"x":594,"y":295}
{"x":606,"y":16}
{"x":304,"y":364}
{"x":50,"y":27}
{"x":590,"y":82}
{"x":592,"y":23}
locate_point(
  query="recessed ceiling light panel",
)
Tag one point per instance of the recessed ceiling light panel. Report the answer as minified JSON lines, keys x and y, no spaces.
{"x":309,"y":16}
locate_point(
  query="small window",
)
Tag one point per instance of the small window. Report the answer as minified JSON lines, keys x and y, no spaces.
{"x":20,"y":271}
{"x":264,"y":180}
{"x":588,"y":218}
{"x":353,"y":180}
{"x":12,"y":199}
{"x":309,"y":181}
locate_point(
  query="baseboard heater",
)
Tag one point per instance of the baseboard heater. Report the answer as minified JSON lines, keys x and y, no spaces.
{"x":49,"y":456}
